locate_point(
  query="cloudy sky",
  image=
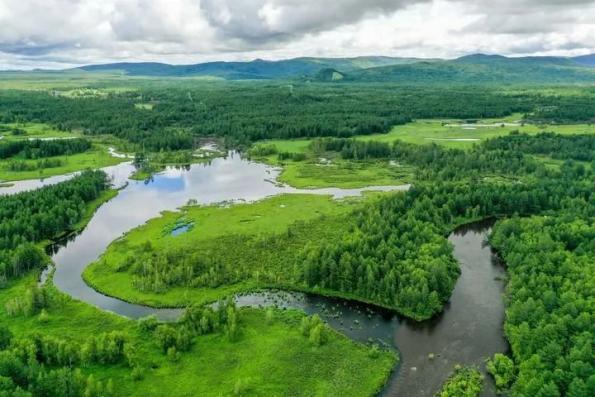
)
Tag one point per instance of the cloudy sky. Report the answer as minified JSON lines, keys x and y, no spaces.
{"x":64,"y":33}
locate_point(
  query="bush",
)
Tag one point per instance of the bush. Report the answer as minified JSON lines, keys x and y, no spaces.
{"x":501,"y":368}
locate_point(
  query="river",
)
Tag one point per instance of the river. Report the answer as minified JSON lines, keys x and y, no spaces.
{"x":467,"y":332}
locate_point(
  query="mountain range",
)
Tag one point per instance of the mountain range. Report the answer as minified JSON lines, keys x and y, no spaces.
{"x":470,"y":69}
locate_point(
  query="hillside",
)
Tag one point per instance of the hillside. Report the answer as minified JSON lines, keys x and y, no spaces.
{"x":256,"y":69}
{"x":482,"y":69}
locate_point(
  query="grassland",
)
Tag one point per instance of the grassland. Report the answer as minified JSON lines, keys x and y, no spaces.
{"x":458,"y":134}
{"x":214,"y":228}
{"x":329,"y":170}
{"x":269,"y":358}
{"x":97,"y":157}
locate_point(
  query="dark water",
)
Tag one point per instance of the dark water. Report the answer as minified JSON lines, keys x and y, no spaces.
{"x":222,"y":180}
{"x":467,"y":332}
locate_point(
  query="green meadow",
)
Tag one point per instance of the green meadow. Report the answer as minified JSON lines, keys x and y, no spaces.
{"x":220,"y":228}
{"x":287,"y":363}
{"x":97,"y":157}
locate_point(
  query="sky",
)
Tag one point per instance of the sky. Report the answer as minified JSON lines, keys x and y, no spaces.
{"x":65,"y":33}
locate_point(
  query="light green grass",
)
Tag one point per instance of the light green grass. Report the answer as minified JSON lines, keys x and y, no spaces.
{"x":144,"y":106}
{"x":33,"y":131}
{"x":344,"y":174}
{"x":269,"y":358}
{"x":436,"y":131}
{"x":96,"y":157}
{"x":310,"y":173}
{"x":268,"y":217}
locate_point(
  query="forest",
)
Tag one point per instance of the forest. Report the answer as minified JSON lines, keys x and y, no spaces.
{"x":32,"y":217}
{"x":38,"y":148}
{"x":549,"y":302}
{"x":244,"y":113}
{"x":391,"y":251}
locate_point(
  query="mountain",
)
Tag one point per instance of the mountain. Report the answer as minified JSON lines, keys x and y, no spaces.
{"x":481,"y":69}
{"x":257,"y":69}
{"x":585,"y":60}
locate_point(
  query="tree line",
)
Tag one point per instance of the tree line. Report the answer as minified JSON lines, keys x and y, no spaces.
{"x":39,"y":148}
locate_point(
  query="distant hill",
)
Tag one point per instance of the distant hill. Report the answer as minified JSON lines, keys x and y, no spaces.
{"x":470,"y":69}
{"x":482,"y":69}
{"x":257,"y":69}
{"x":585,"y":60}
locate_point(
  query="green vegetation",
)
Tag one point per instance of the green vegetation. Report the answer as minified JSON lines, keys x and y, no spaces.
{"x":368,"y":254}
{"x":520,"y":153}
{"x":222,"y":237}
{"x":501,"y":368}
{"x":53,"y":345}
{"x":33,"y":217}
{"x":287,"y":363}
{"x":30,"y":151}
{"x":549,"y":302}
{"x":248,"y":112}
{"x":464,"y":382}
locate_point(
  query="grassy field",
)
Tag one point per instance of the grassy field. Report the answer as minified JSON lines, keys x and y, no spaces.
{"x":207,"y":227}
{"x":269,"y":358}
{"x":456,"y":134}
{"x":344,"y":174}
{"x":329,"y":170}
{"x":326,"y":170}
{"x":97,"y":157}
{"x":32,"y":131}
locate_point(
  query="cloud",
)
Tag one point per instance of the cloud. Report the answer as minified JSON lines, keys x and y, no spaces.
{"x":263,"y":20}
{"x":50,"y":33}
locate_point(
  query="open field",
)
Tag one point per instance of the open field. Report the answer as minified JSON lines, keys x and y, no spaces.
{"x":32,"y":131}
{"x":458,"y":134}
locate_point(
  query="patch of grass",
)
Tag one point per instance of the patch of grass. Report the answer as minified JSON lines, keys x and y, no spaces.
{"x":269,"y":357}
{"x":456,"y":134}
{"x":32,"y":131}
{"x":344,"y":174}
{"x":96,"y":157}
{"x":221,"y":229}
{"x":144,"y":106}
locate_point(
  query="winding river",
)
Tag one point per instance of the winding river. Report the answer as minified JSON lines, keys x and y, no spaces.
{"x":467,"y":332}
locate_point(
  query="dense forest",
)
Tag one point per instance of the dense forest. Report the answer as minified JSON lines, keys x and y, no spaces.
{"x":39,"y":148}
{"x":247,"y":112}
{"x":550,"y":305}
{"x":30,"y":217}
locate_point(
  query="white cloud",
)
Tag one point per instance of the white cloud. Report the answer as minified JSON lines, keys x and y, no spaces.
{"x":56,"y":33}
